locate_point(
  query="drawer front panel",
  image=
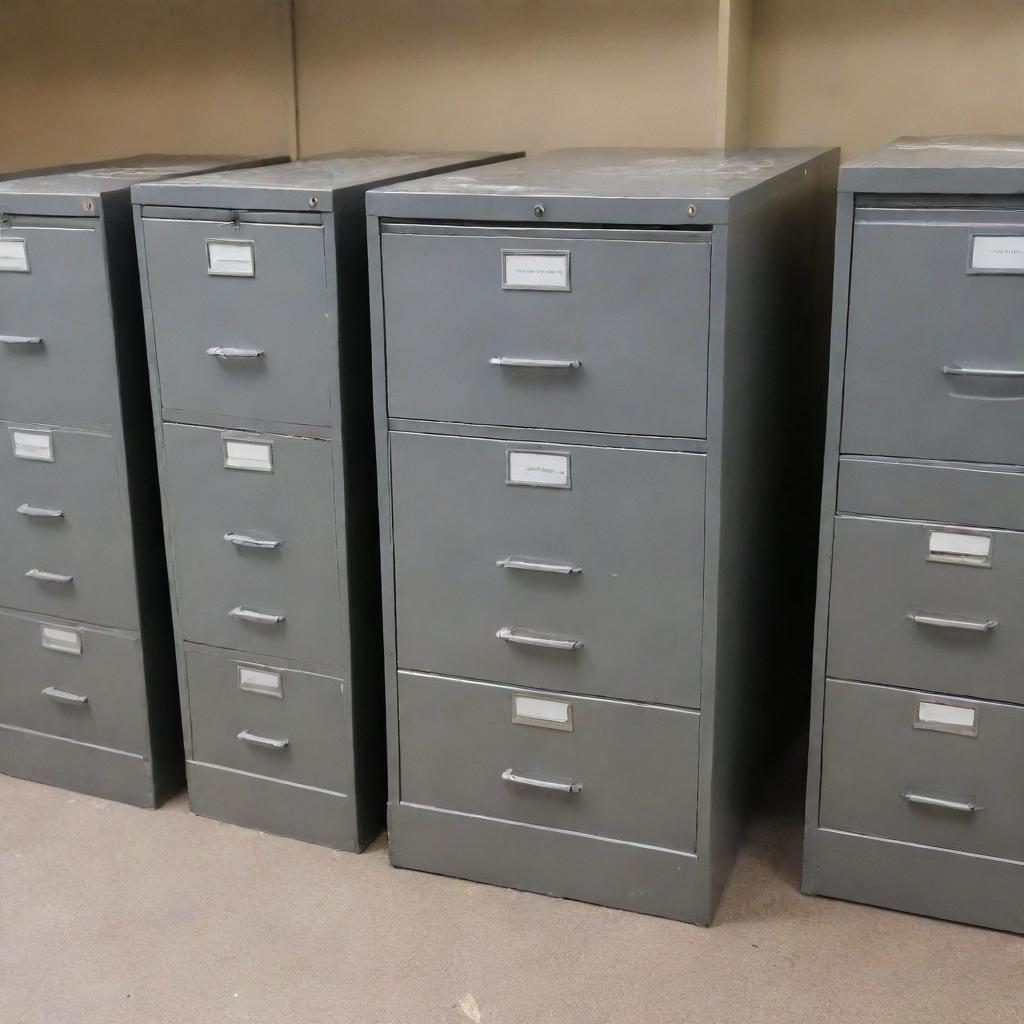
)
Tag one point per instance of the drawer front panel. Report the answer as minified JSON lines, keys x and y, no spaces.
{"x":76,"y":682}
{"x":928,"y":606}
{"x":633,"y":315}
{"x":891,"y":769}
{"x":597,"y":582}
{"x":255,"y":550}
{"x":268,"y":720}
{"x":57,"y":357}
{"x":934,"y":367}
{"x":620,"y":771}
{"x":260,"y":346}
{"x":64,"y":526}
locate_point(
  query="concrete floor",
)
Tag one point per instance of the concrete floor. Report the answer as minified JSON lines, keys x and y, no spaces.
{"x":111,"y":914}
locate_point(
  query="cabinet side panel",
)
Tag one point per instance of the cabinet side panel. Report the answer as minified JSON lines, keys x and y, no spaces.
{"x":768,"y":407}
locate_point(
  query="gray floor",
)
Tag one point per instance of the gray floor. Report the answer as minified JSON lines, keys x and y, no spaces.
{"x":111,"y":914}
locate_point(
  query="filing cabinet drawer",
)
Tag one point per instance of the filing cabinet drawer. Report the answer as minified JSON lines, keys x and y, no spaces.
{"x":619,"y":327}
{"x":64,"y":526}
{"x":616,"y":770}
{"x":935,"y":771}
{"x":57,"y":359}
{"x":592,"y":585}
{"x":255,"y":549}
{"x":251,"y":336}
{"x":267,"y":720}
{"x":72,"y":681}
{"x":934,"y":365}
{"x":928,"y":606}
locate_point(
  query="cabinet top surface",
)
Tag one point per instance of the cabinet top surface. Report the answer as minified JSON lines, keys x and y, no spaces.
{"x":93,"y":180}
{"x":676,"y":177}
{"x":288,"y":185}
{"x":939,"y":163}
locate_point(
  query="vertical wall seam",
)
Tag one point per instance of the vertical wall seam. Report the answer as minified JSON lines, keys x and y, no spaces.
{"x":295,"y":140}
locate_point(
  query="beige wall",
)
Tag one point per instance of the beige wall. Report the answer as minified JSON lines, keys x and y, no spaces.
{"x":501,"y":74}
{"x":91,"y":79}
{"x":860,"y":72}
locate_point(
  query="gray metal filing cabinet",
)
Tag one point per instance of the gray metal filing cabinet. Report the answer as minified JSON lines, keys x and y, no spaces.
{"x":916,"y":786}
{"x":257,"y":321}
{"x":598,"y":381}
{"x":87,"y":680}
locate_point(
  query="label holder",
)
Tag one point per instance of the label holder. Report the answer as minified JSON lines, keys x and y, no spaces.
{"x":61,"y":638}
{"x":230,"y":257}
{"x":1013,"y":259}
{"x":972,"y":548}
{"x":536,"y":270}
{"x":552,"y":469}
{"x":247,"y":453}
{"x":14,"y":256}
{"x":943,"y":716}
{"x":541,"y":712}
{"x":260,"y":679}
{"x":32,"y":445}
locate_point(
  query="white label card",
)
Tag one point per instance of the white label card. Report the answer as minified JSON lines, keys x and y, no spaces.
{"x":14,"y":255}
{"x":535,"y":271}
{"x":259,"y":680}
{"x":55,"y":638}
{"x":257,"y":456}
{"x":550,"y":714}
{"x":962,"y":548}
{"x":538,"y":469}
{"x":998,"y":252}
{"x":226,"y":258}
{"x":947,"y":718}
{"x":36,"y":445}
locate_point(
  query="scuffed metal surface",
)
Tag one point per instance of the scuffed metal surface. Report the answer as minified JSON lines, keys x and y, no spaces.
{"x":945,"y":151}
{"x":330,"y":171}
{"x":108,"y":177}
{"x":682,"y":174}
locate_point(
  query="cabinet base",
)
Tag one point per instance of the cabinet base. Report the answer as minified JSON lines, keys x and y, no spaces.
{"x":81,"y":767}
{"x":542,"y":860}
{"x":283,"y":809}
{"x":915,"y":879}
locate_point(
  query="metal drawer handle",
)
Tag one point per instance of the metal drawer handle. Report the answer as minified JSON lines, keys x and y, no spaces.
{"x":262,"y":741}
{"x":40,"y":513}
{"x":48,"y":577}
{"x":538,"y":782}
{"x":64,"y":697}
{"x":560,"y":568}
{"x":971,"y":625}
{"x":515,"y":636}
{"x":220,"y":352}
{"x":937,"y":801}
{"x":265,"y":618}
{"x":978,"y":371}
{"x":535,"y":364}
{"x":13,"y":339}
{"x":247,"y":540}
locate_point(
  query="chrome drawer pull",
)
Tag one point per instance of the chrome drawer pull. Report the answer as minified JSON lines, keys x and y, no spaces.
{"x":971,"y":625}
{"x":40,"y":513}
{"x":937,"y":801}
{"x":262,"y":741}
{"x":15,"y":340}
{"x":560,"y":568}
{"x":264,"y":618}
{"x":977,"y":371}
{"x":247,"y":540}
{"x":48,"y":577}
{"x":514,"y":636}
{"x":64,"y":697}
{"x":220,"y":352}
{"x":515,"y":362}
{"x":538,"y":782}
